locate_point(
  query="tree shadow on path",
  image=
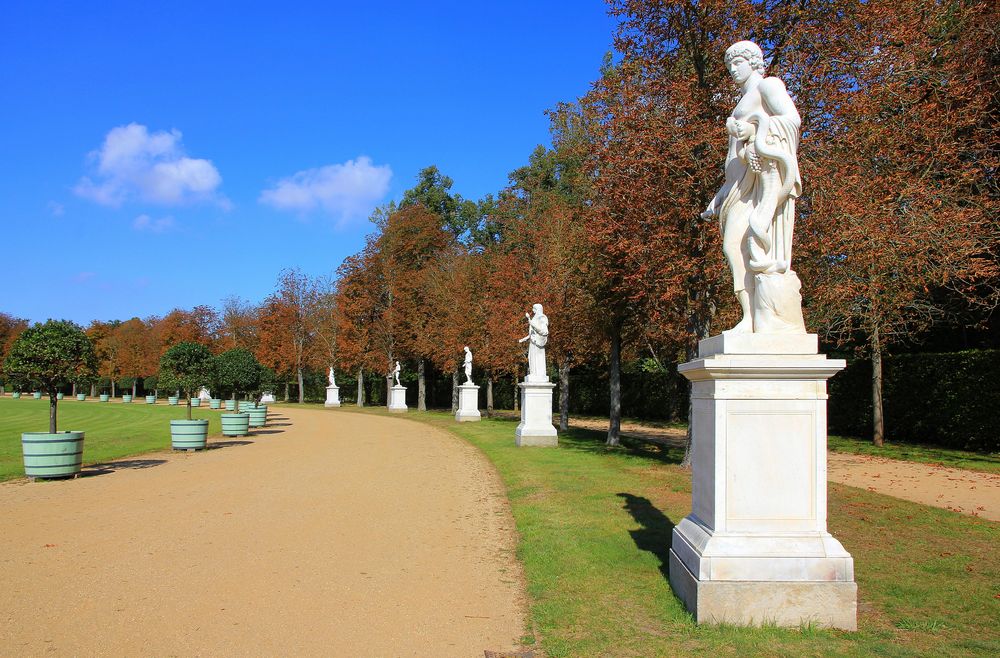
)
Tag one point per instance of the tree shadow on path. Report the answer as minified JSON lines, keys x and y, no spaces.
{"x":656,"y":531}
{"x":126,"y":464}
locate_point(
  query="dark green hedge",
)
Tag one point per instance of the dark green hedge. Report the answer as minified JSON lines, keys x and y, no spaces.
{"x":948,"y":399}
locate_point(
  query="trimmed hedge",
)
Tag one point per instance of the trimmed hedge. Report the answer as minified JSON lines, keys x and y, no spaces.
{"x":948,"y":399}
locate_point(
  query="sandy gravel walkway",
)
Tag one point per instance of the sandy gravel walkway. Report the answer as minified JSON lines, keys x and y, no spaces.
{"x":332,"y":534}
{"x":959,"y":490}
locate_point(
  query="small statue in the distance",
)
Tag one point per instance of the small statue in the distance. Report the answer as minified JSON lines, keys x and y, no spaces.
{"x":395,"y":373}
{"x":333,"y":382}
{"x":538,"y":337}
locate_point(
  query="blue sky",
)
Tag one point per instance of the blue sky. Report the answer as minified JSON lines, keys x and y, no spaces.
{"x":161,"y":155}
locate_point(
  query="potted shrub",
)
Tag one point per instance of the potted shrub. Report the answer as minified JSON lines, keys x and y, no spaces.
{"x":16,"y":395}
{"x":150,"y":384}
{"x":239,"y":371}
{"x":50,"y":356}
{"x":126,"y":384}
{"x":187,"y":367}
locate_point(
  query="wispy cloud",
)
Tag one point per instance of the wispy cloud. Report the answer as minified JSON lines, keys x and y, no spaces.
{"x":343,"y":191}
{"x":135,"y":164}
{"x":82,"y":277}
{"x":56,"y":209}
{"x":148,"y":224}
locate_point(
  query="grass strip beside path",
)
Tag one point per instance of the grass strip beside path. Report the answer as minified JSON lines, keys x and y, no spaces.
{"x":595,"y":526}
{"x":113,"y":429}
{"x":911,"y":452}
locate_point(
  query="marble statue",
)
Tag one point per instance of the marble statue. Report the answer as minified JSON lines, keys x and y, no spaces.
{"x":538,"y":336}
{"x":330,"y":378}
{"x":468,"y":365}
{"x":756,"y":204}
{"x":204,"y":394}
{"x":395,"y":373}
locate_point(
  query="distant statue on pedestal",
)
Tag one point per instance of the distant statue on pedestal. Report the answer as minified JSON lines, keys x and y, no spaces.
{"x":330,"y":378}
{"x":538,"y":337}
{"x":468,"y":365}
{"x":756,"y":204}
{"x":395,"y":373}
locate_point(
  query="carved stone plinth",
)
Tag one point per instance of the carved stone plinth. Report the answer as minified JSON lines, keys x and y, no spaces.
{"x":468,"y":404}
{"x":755,"y":548}
{"x":397,"y":399}
{"x":332,"y":396}
{"x":536,"y":427}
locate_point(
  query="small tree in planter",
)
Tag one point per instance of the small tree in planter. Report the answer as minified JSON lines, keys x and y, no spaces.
{"x":49,"y":356}
{"x":186,"y":367}
{"x":239,"y":371}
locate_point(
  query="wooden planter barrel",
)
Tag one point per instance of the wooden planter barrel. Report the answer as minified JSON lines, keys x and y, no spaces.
{"x":16,"y":395}
{"x":52,"y":455}
{"x":235,"y":424}
{"x":37,"y":395}
{"x":258,"y":416}
{"x":59,"y":396}
{"x":214,"y":404}
{"x":188,"y":434}
{"x":230,"y":405}
{"x":195,"y":402}
{"x":127,"y":399}
{"x":81,"y":396}
{"x":105,"y":397}
{"x":173,"y":400}
{"x":150,"y":399}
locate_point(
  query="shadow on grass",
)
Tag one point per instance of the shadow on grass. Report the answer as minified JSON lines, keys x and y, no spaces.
{"x":656,"y":531}
{"x":595,"y":442}
{"x":126,"y":464}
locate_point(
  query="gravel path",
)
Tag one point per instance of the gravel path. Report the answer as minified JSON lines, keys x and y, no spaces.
{"x":330,"y":533}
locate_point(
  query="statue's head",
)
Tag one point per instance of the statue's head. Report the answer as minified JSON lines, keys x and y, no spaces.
{"x":537,"y":309}
{"x":466,"y":348}
{"x":749,"y":51}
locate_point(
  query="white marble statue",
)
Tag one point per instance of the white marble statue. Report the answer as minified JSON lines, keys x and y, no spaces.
{"x":538,"y":336}
{"x":204,"y":394}
{"x":468,"y":365}
{"x":330,"y":378}
{"x":395,"y":373}
{"x":756,"y":204}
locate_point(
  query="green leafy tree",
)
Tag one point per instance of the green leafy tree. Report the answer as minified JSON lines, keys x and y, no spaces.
{"x":239,"y":370}
{"x":188,"y":367}
{"x":49,"y":356}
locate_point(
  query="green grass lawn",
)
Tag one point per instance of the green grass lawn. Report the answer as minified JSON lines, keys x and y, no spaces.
{"x":986,"y":462}
{"x":595,"y":528}
{"x":113,"y":429}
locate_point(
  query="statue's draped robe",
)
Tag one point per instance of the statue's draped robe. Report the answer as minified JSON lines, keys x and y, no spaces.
{"x":538,"y":337}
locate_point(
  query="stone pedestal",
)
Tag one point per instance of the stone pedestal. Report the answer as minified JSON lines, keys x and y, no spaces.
{"x":755,"y":548}
{"x":468,"y":404}
{"x":332,"y":396}
{"x":267,"y":398}
{"x":397,"y":399}
{"x":536,"y":427}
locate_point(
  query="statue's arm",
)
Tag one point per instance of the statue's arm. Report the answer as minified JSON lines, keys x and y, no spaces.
{"x":539,"y":326}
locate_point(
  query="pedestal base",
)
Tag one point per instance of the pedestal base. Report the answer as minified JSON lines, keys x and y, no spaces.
{"x":536,"y":427}
{"x":755,"y":548}
{"x":332,"y":396}
{"x":468,"y":404}
{"x":397,"y":399}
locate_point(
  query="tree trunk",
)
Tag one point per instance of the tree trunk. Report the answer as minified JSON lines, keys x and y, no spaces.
{"x":489,"y":396}
{"x":361,"y":387}
{"x":878,"y":423}
{"x":564,"y":395}
{"x":388,"y":388}
{"x":189,"y":407}
{"x":615,"y":386}
{"x":52,"y":412}
{"x":112,"y":389}
{"x":286,"y":391}
{"x":302,"y":388}
{"x":454,"y":391}
{"x":93,"y":390}
{"x":517,"y":395}
{"x":73,"y":394}
{"x":421,"y":387}
{"x":135,"y":383}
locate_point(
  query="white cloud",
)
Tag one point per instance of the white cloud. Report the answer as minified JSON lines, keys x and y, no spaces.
{"x":56,"y":209}
{"x":146,"y":223}
{"x":344,"y":191}
{"x":152,"y":167}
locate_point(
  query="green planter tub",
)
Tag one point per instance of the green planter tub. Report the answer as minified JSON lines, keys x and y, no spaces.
{"x":173,"y":400}
{"x":214,"y":404}
{"x":127,"y":399}
{"x":235,"y":424}
{"x":37,"y":395}
{"x":230,"y":405}
{"x":16,"y":395}
{"x":258,"y":415}
{"x":81,"y":397}
{"x":188,"y":434}
{"x":195,"y":402}
{"x":52,"y":455}
{"x":105,"y":397}
{"x":59,"y":396}
{"x":150,"y":399}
